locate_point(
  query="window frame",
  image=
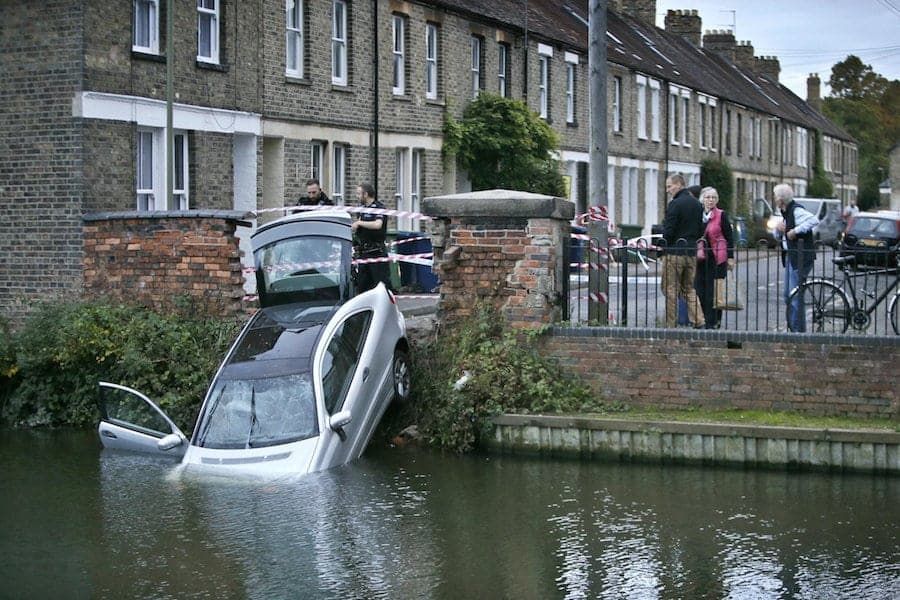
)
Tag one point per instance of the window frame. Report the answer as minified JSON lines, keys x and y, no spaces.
{"x":398,"y":51}
{"x":181,"y":194}
{"x":503,"y":69}
{"x":339,"y":174}
{"x":145,"y":197}
{"x":641,"y":106}
{"x":152,"y":46}
{"x":293,"y":28}
{"x":417,"y":175}
{"x":317,"y":160}
{"x":655,"y":107}
{"x":617,"y":104}
{"x":476,"y":45}
{"x":339,"y":43}
{"x":431,"y":61}
{"x":214,"y":16}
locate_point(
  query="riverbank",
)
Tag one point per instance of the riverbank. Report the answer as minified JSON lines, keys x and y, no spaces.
{"x":639,"y":438}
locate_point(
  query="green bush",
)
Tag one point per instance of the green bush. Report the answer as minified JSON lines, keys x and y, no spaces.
{"x":715,"y":172}
{"x":507,"y":374}
{"x":64,"y":349}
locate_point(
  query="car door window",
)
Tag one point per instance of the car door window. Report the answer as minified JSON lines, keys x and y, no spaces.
{"x":342,"y":357}
{"x":123,"y":408}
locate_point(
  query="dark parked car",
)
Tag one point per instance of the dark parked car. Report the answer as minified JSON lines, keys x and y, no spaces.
{"x":872,"y":238}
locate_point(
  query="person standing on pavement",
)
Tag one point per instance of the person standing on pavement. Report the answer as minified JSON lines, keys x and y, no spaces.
{"x":850,"y":211}
{"x":314,"y":195}
{"x":682,"y":227}
{"x":794,"y":232}
{"x":718,"y":257}
{"x":370,"y":233}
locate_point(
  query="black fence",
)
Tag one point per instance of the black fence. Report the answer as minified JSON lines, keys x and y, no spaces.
{"x":858,"y":294}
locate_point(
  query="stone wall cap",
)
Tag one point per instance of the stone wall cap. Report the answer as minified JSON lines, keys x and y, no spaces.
{"x":242,"y":217}
{"x":499,"y":203}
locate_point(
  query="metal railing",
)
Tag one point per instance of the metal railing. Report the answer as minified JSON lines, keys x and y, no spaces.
{"x":636,"y":297}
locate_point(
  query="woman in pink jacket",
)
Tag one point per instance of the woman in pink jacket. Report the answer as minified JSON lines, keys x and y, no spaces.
{"x":716,"y":259}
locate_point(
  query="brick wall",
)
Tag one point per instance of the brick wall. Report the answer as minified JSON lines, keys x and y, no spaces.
{"x":40,"y":158}
{"x":854,"y":377}
{"x":501,"y":248}
{"x":158,"y":259}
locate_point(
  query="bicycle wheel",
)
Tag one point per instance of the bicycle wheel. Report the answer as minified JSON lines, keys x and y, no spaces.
{"x":825,"y":305}
{"x":894,"y":311}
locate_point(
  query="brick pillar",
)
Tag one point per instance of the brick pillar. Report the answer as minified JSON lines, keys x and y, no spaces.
{"x":158,"y":258}
{"x":504,"y":248}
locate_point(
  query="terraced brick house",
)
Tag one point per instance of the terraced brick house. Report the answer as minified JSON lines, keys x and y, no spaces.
{"x":271,"y":93}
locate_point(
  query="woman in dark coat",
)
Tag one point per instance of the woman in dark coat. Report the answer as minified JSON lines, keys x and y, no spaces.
{"x":718,"y":256}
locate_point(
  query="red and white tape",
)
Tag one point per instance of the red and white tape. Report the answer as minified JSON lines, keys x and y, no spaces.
{"x":400,"y":214}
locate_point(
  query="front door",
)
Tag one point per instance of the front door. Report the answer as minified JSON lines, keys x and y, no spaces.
{"x":131,"y":421}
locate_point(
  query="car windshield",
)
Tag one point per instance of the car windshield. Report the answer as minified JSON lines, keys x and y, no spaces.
{"x":253,"y":413}
{"x":308,"y":268}
{"x":867,"y":226}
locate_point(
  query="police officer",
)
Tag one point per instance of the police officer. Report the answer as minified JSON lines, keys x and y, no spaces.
{"x":370,"y":232}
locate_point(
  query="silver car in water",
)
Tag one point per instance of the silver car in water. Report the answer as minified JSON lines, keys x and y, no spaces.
{"x":307,"y":380}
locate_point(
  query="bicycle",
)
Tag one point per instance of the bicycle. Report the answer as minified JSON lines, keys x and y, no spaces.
{"x":834,"y":308}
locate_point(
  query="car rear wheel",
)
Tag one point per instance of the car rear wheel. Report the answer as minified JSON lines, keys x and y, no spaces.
{"x":402,"y":376}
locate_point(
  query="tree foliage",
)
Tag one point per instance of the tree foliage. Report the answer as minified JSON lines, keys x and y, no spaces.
{"x":820,"y":186}
{"x":867,"y":106}
{"x":502,"y":144}
{"x":715,"y":172}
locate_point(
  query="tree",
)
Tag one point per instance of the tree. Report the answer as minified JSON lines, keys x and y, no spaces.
{"x":865,"y":105}
{"x":502,"y":144}
{"x":820,"y":186}
{"x":852,"y":79}
{"x":715,"y":172}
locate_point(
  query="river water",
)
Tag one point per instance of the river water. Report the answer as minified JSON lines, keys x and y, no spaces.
{"x":78,"y":522}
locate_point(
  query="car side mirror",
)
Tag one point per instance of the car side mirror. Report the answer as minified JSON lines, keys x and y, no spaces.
{"x":173,"y":440}
{"x":337,"y":422}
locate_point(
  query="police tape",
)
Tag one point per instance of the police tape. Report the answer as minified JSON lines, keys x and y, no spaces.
{"x":400,"y":214}
{"x":426,"y":259}
{"x":255,"y":297}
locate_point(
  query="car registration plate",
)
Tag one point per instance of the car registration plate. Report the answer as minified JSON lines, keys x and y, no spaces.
{"x":868,"y":242}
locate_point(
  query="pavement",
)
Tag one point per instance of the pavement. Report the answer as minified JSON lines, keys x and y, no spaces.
{"x":414,"y":305}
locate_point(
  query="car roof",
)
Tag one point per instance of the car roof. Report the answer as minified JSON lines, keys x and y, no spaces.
{"x":278,"y":340}
{"x":329,"y":222}
{"x":881,"y":214}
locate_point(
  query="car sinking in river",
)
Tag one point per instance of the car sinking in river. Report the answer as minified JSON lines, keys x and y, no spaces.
{"x":309,"y":377}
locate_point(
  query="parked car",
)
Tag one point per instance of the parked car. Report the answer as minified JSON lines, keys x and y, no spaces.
{"x":872,"y":238}
{"x":831,"y":223}
{"x":308,"y":378}
{"x":762,"y":225}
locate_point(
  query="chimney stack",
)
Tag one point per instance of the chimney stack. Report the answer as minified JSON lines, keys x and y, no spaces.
{"x":743,"y":55}
{"x":720,"y":41}
{"x":642,"y":10}
{"x":685,"y":23}
{"x":813,"y":91}
{"x":768,"y":66}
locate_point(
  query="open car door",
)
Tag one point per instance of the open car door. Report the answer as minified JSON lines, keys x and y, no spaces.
{"x":129,"y":420}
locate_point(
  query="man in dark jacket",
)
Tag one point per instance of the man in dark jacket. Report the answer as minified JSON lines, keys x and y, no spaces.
{"x":794,"y":232}
{"x":314,"y":195}
{"x":682,"y":227}
{"x":370,"y":233}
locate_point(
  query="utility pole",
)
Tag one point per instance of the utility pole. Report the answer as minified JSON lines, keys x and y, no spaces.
{"x":170,"y":96}
{"x":598,"y":272}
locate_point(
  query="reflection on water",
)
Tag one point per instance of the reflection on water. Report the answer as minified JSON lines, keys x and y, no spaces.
{"x":78,"y":522}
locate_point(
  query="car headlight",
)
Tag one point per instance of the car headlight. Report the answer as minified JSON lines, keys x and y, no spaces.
{"x":773,"y":222}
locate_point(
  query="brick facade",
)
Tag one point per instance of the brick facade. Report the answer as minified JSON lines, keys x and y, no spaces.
{"x":76,"y":98}
{"x":661,"y":369}
{"x":163,"y":259}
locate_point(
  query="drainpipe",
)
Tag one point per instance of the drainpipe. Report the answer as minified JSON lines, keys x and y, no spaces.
{"x":170,"y":96}
{"x":375,"y":104}
{"x":525,"y":61}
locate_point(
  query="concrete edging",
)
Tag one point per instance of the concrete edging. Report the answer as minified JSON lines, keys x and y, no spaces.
{"x":712,"y":443}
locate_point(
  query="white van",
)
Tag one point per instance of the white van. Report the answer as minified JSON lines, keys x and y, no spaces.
{"x":828,"y":211}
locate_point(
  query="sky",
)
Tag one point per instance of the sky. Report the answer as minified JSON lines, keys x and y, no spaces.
{"x":807,"y":36}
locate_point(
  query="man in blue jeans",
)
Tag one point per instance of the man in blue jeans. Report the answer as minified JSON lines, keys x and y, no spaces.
{"x":797,"y":251}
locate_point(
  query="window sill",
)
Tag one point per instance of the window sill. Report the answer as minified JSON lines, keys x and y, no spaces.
{"x":573,"y":124}
{"x":341,"y":88}
{"x":435,"y":102}
{"x":296,"y":80}
{"x":210,"y":66}
{"x":140,"y":55}
{"x":401,"y":97}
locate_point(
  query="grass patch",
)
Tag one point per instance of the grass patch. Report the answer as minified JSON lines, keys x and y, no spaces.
{"x":754,"y":417}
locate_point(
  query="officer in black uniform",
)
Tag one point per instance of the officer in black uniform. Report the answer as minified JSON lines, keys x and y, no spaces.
{"x":370,"y":232}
